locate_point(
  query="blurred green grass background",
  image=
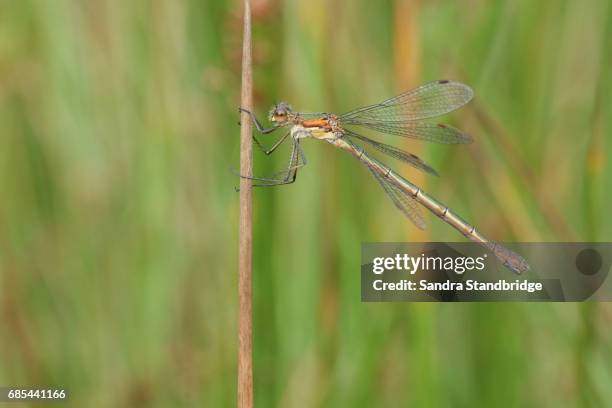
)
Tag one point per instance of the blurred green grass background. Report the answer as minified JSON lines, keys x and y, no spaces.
{"x":118,"y":222}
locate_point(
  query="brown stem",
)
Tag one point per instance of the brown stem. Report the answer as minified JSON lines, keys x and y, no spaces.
{"x":245,"y":266}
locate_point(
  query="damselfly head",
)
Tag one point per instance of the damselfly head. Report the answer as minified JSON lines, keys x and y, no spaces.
{"x":280,"y":112}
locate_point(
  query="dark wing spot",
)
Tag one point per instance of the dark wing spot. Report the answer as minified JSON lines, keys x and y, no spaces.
{"x":440,"y":125}
{"x":424,"y":165}
{"x":443,"y":81}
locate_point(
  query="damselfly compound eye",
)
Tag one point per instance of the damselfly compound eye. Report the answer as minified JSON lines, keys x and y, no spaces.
{"x":280,"y":112}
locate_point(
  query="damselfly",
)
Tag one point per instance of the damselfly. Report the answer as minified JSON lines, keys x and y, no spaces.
{"x":402,"y":115}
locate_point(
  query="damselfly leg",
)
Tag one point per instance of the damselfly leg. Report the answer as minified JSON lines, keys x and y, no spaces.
{"x":297,"y":160}
{"x":257,"y":123}
{"x":264,"y":131}
{"x":271,"y":150}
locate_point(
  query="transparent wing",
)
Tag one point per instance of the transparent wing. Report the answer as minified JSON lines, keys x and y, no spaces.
{"x":427,"y":101}
{"x":403,"y":202}
{"x":430,"y":132}
{"x":394,"y":152}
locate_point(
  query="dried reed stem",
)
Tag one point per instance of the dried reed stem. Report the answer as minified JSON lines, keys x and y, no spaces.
{"x":245,"y":267}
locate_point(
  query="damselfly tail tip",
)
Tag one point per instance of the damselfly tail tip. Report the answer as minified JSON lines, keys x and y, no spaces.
{"x":517,"y":264}
{"x":508,"y":258}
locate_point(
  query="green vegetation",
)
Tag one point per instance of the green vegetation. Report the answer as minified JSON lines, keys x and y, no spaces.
{"x":118,"y":218}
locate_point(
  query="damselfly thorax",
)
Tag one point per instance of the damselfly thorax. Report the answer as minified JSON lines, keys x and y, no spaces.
{"x":324,"y":128}
{"x":403,"y":115}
